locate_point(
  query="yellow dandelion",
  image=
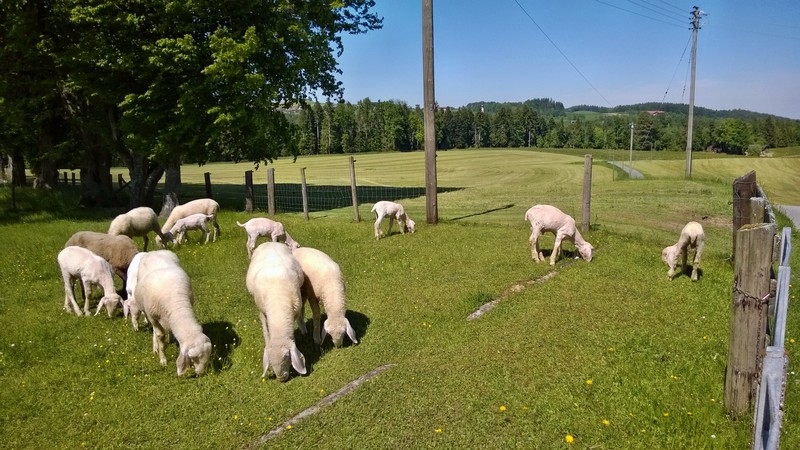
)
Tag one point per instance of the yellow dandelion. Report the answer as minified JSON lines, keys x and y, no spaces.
{"x":666,"y":414}
{"x":705,"y":338}
{"x":610,"y":349}
{"x":569,"y":439}
{"x":589,"y":382}
{"x":502,"y":408}
{"x":689,"y":413}
{"x":791,"y":341}
{"x":606,"y":422}
{"x":288,"y":427}
{"x":235,"y":417}
{"x":438,"y":430}
{"x":674,"y":377}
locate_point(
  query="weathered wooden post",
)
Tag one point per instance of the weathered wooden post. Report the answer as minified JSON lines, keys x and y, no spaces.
{"x":271,"y":191}
{"x":353,"y":190}
{"x":207,"y":176}
{"x":73,"y":178}
{"x":66,"y":181}
{"x":304,"y":192}
{"x":248,"y":191}
{"x":587,"y":194}
{"x":751,"y":291}
{"x":120,"y":181}
{"x":758,"y":210}
{"x":743,"y":189}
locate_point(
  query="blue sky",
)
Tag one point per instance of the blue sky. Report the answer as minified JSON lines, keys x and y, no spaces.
{"x":615,"y":52}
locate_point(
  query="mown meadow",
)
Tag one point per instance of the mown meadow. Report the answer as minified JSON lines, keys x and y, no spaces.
{"x":607,"y":354}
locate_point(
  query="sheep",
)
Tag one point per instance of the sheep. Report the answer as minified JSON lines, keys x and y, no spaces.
{"x":129,"y":305}
{"x":164,"y":292}
{"x":549,"y":218}
{"x":118,"y":250}
{"x":78,"y":263}
{"x":324,"y":285}
{"x":692,"y":236}
{"x":394,"y":211}
{"x":261,"y":226}
{"x":203,"y":205}
{"x":136,"y":222}
{"x":197,"y":221}
{"x":274,"y":279}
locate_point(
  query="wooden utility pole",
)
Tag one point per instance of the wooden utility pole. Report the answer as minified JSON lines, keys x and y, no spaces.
{"x":431,"y":204}
{"x":630,"y":152}
{"x":696,"y":14}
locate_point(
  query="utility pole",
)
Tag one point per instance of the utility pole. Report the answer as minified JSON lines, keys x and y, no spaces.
{"x":696,"y":14}
{"x":630,"y":152}
{"x":429,"y":99}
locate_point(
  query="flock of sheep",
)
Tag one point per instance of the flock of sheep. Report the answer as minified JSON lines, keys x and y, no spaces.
{"x":281,"y":277}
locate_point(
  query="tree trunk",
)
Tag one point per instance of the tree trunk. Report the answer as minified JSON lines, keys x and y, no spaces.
{"x":18,"y":169}
{"x":96,"y":185}
{"x":172,"y":188}
{"x":46,"y":174}
{"x":2,"y":168}
{"x":144,"y":179}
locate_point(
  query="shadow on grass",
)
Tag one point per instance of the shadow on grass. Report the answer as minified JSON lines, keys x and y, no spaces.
{"x":510,"y":205}
{"x":224,"y":339}
{"x":313,"y":353}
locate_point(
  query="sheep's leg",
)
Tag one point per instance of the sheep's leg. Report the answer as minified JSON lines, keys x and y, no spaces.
{"x":316,"y":316}
{"x":378,"y":221}
{"x":146,"y":240}
{"x":251,"y":244}
{"x":158,"y":343}
{"x":69,"y":295}
{"x":391,"y":222}
{"x":206,"y":234}
{"x":696,"y":263}
{"x":217,"y":231}
{"x":265,"y":358}
{"x":556,"y":249}
{"x":684,"y":253}
{"x":87,"y":292}
{"x":536,"y":253}
{"x":301,"y":318}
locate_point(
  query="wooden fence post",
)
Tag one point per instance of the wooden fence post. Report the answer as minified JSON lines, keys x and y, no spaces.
{"x":304,"y":192}
{"x":271,"y":191}
{"x":207,"y":176}
{"x":120,"y":181}
{"x":248,"y":191}
{"x":73,"y":178}
{"x":587,"y":194}
{"x":353,"y":190}
{"x":66,"y":181}
{"x":758,"y":210}
{"x":749,"y":315}
{"x":743,"y":189}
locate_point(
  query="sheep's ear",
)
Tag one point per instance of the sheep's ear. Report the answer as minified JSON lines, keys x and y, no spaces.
{"x":298,"y":360}
{"x":351,"y":333}
{"x":183,"y":362}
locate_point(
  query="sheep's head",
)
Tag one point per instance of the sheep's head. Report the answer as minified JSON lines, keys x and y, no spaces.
{"x":196,"y":353}
{"x":162,"y":243}
{"x":670,"y":255}
{"x":283,"y":359}
{"x":410,"y":225}
{"x":337,"y":331}
{"x":110,"y":302}
{"x":586,"y":251}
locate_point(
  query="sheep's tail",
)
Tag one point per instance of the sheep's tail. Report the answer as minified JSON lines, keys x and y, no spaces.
{"x":240,"y":224}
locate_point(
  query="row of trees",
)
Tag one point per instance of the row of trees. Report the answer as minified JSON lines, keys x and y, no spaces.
{"x":153,"y":83}
{"x":371,"y":126}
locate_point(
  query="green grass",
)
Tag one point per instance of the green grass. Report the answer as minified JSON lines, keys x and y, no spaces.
{"x":654,"y":350}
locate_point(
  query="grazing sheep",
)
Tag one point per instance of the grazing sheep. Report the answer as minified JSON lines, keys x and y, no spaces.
{"x":546,"y":218}
{"x":692,"y":236}
{"x":261,"y":226}
{"x":129,"y":305}
{"x":191,"y":222}
{"x":118,"y":250}
{"x":324,"y":285}
{"x":78,"y":263}
{"x":203,"y":205}
{"x":274,"y":279}
{"x":164,"y":292}
{"x":136,"y":222}
{"x":394,"y":211}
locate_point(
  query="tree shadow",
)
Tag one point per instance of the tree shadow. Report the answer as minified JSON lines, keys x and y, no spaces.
{"x":224,"y":339}
{"x":510,"y":205}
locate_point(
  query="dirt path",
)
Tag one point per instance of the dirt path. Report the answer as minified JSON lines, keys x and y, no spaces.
{"x":793,"y":213}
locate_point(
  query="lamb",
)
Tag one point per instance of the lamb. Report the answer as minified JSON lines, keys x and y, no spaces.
{"x":197,"y":221}
{"x":203,"y":205}
{"x":274,"y":279}
{"x":547,"y":218}
{"x":136,"y":222}
{"x":129,"y":305}
{"x":692,"y":236}
{"x":261,"y":226}
{"x":78,"y":263}
{"x":324,"y":285}
{"x":394,"y":211}
{"x":164,"y":292}
{"x":118,"y":250}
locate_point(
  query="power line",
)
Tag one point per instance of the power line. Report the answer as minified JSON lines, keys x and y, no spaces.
{"x":641,"y":15}
{"x":672,"y":16}
{"x":562,"y":54}
{"x":677,"y":9}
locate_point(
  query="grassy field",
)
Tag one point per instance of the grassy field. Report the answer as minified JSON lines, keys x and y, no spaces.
{"x":610,"y":353}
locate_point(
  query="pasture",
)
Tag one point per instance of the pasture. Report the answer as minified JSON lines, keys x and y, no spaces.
{"x":610,"y":353}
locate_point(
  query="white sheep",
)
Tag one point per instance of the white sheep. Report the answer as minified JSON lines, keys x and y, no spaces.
{"x":203,"y":205}
{"x":274,"y":278}
{"x":324,"y":285}
{"x":129,"y":305}
{"x":547,"y":218}
{"x":78,"y":263}
{"x":164,"y":292}
{"x":692,"y":236}
{"x":118,"y":250}
{"x":137,"y":222}
{"x":393,"y":211}
{"x":261,"y":226}
{"x":197,"y":221}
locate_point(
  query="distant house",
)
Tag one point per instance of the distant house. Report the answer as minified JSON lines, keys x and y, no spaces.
{"x":655,"y":112}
